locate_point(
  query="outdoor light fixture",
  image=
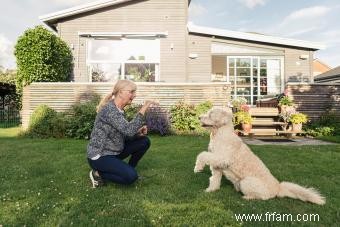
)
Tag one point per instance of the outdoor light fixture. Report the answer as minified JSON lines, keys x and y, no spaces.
{"x":304,"y":56}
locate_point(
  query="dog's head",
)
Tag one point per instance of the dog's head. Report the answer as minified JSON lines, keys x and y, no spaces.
{"x":216,"y":118}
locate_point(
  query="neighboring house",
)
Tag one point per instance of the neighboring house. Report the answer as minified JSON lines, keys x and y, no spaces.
{"x":319,"y":67}
{"x":151,"y":40}
{"x":331,"y":76}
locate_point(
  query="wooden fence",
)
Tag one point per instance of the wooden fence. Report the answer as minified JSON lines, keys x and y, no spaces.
{"x":315,"y":99}
{"x":60,"y":96}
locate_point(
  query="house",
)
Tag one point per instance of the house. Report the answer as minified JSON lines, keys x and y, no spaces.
{"x":151,"y":40}
{"x":319,"y":67}
{"x":331,"y":76}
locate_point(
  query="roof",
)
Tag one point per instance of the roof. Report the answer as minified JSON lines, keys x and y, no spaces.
{"x":316,"y":60}
{"x":254,"y":37}
{"x":329,"y":74}
{"x":52,"y":18}
{"x":49,"y":19}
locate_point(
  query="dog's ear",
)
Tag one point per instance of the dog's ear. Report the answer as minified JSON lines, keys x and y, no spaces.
{"x":224,"y":116}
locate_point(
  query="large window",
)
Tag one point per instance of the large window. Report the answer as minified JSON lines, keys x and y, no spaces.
{"x":134,"y":58}
{"x":255,"y":77}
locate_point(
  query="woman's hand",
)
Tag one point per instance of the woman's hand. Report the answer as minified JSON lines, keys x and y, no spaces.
{"x":146,"y":106}
{"x":143,"y":131}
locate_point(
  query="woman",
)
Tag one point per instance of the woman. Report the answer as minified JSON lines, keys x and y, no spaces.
{"x":113,"y":138}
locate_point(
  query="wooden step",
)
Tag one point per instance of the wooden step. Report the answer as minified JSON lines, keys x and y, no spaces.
{"x":264,"y":111}
{"x":267,"y":123}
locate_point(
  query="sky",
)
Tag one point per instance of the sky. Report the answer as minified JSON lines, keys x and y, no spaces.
{"x":309,"y":20}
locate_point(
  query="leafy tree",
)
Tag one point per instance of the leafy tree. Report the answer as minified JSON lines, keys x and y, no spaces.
{"x":8,"y":76}
{"x":42,"y":57}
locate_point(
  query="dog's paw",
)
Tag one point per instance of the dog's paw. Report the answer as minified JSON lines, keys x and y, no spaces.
{"x":197,"y":169}
{"x":211,"y":189}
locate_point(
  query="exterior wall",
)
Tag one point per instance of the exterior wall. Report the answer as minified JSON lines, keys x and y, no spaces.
{"x":135,"y":16}
{"x":296,"y":67}
{"x":61,"y":96}
{"x":315,"y":99}
{"x":199,"y":69}
{"x":219,"y":65}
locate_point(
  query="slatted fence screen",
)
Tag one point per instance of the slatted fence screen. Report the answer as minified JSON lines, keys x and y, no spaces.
{"x":315,"y":99}
{"x":61,"y":96}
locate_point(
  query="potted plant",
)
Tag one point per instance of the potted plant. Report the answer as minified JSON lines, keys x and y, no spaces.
{"x":297,"y":119}
{"x":243,"y":118}
{"x":284,"y":103}
{"x":237,"y":103}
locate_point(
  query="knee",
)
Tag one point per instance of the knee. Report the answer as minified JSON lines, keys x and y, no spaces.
{"x":146,"y":142}
{"x":131,"y":177}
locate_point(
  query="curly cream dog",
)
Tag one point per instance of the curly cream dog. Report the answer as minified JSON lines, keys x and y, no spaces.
{"x":227,"y":155}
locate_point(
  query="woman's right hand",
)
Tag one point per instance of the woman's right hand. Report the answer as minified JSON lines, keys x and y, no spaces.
{"x":146,"y":105}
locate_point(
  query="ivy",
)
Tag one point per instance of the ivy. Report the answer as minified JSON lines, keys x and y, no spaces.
{"x":42,"y":57}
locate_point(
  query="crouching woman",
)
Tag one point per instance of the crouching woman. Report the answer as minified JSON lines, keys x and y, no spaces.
{"x":113,"y":138}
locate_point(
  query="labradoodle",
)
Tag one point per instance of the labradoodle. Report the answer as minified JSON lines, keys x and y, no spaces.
{"x":227,"y":155}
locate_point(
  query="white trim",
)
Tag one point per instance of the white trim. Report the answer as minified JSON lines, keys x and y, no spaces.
{"x":254,"y":37}
{"x":123,"y":34}
{"x":79,"y":9}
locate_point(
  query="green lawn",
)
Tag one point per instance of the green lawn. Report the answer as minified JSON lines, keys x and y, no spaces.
{"x":45,"y":183}
{"x":334,"y":139}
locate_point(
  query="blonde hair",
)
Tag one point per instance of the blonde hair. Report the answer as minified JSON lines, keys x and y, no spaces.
{"x":120,"y":85}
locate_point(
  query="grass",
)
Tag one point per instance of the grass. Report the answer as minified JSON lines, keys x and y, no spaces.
{"x":45,"y":183}
{"x":335,"y":139}
{"x":9,"y":132}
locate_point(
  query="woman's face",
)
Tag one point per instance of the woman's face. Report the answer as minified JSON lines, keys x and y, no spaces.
{"x":128,"y":94}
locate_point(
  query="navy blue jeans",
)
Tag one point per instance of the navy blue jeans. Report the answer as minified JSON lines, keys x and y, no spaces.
{"x":112,"y":168}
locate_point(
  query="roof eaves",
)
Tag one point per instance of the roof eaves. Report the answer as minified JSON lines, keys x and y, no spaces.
{"x":49,"y":18}
{"x":254,"y":37}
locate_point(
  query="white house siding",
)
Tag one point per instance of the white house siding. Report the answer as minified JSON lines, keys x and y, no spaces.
{"x":200,"y":69}
{"x":219,"y":65}
{"x":136,"y":16}
{"x":294,"y":66}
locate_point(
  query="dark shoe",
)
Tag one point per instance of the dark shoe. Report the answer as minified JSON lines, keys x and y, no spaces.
{"x":97,"y":181}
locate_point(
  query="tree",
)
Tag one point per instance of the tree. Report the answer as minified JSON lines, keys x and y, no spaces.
{"x":42,"y":57}
{"x":8,"y":76}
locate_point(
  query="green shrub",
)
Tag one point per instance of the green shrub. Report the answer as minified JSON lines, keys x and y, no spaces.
{"x":185,"y":117}
{"x":298,"y":118}
{"x":203,"y":107}
{"x":131,"y":111}
{"x":41,"y":56}
{"x":327,"y":125}
{"x":242,"y":117}
{"x":320,"y":131}
{"x":45,"y":123}
{"x":81,"y":117}
{"x":286,"y":101}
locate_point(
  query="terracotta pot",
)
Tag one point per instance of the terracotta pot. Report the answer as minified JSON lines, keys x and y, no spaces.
{"x":297,"y":127}
{"x":246,"y":127}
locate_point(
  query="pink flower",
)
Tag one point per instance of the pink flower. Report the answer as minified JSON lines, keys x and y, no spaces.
{"x":285,"y":92}
{"x":245,"y":108}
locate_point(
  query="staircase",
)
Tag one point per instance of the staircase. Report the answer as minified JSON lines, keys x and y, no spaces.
{"x":266,"y":122}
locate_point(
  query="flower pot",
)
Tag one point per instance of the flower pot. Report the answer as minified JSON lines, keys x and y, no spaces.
{"x":297,"y":127}
{"x":246,"y":127}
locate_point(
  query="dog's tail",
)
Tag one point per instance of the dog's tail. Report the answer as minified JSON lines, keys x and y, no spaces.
{"x":295,"y":191}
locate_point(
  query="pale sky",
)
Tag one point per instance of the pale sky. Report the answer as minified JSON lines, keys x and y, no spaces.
{"x":310,"y":20}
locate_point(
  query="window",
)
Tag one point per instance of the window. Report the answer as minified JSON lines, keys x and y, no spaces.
{"x":254,"y":77}
{"x":131,"y":58}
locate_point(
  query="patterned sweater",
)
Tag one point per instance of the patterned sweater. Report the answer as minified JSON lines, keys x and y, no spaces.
{"x":110,"y":131}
